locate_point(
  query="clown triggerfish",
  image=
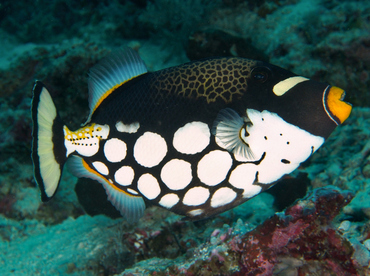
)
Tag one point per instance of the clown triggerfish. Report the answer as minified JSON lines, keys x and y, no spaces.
{"x":197,"y":139}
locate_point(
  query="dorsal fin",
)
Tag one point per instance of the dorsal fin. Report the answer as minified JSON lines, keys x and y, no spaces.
{"x":111,"y":72}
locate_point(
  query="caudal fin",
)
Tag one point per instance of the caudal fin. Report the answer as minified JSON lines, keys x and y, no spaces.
{"x":48,"y":150}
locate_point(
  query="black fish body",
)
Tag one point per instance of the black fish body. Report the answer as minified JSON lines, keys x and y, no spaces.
{"x":197,"y":139}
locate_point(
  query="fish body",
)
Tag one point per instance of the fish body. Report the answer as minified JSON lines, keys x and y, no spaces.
{"x":197,"y":139}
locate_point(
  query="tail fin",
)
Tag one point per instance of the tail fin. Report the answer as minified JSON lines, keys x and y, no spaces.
{"x":48,"y":150}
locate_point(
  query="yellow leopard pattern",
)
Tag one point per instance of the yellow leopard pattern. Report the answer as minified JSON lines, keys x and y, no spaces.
{"x":213,"y":79}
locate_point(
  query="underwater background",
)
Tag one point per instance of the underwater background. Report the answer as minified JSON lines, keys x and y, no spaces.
{"x":314,"y":222}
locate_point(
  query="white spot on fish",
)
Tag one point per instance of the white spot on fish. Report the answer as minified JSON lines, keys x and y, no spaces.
{"x":195,"y":212}
{"x":242,"y":177}
{"x":192,"y":138}
{"x":85,"y":141}
{"x":115,"y":150}
{"x":196,"y":196}
{"x":148,"y":186}
{"x":124,"y":175}
{"x":169,"y":200}
{"x":222,"y":197}
{"x":150,"y":149}
{"x":176,"y":174}
{"x":132,"y":191}
{"x":214,"y":166}
{"x":101,"y":167}
{"x":130,"y":128}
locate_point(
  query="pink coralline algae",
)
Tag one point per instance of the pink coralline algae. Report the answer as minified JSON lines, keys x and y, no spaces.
{"x":298,"y":242}
{"x":301,"y":241}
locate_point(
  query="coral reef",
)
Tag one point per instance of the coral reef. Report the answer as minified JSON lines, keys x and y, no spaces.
{"x":300,"y":241}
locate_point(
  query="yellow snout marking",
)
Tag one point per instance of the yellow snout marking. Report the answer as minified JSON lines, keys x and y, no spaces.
{"x":85,"y":140}
{"x":87,"y":132}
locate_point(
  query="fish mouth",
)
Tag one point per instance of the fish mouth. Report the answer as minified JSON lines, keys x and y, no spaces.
{"x":337,"y":109}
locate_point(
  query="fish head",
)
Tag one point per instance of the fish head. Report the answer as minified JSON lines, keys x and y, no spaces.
{"x":311,"y":105}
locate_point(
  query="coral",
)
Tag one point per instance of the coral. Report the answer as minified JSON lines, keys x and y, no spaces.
{"x":300,"y":241}
{"x":301,"y":233}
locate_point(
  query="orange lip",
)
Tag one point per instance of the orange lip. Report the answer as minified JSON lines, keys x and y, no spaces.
{"x":337,"y":109}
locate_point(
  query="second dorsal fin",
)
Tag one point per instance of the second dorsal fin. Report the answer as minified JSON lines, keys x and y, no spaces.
{"x":111,"y":72}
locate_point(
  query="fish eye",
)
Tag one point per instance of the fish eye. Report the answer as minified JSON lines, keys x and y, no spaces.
{"x":260,"y":74}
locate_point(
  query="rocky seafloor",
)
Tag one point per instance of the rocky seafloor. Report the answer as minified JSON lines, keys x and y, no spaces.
{"x":314,"y":222}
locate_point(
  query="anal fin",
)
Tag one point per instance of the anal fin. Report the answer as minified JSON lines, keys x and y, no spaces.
{"x":131,"y":207}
